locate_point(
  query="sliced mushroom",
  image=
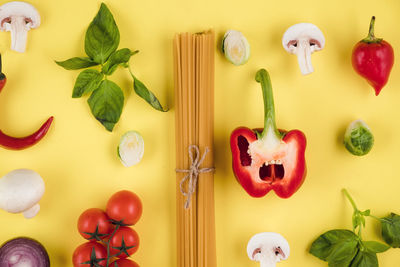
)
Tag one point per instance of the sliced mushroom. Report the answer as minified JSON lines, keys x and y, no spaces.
{"x":303,"y":39}
{"x":18,"y":18}
{"x":268,"y":249}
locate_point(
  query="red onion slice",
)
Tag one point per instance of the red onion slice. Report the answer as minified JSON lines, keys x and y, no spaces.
{"x":23,"y":252}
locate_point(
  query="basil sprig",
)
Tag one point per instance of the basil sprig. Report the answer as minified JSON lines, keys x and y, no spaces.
{"x":391,"y":230}
{"x":345,"y":248}
{"x":106,"y":97}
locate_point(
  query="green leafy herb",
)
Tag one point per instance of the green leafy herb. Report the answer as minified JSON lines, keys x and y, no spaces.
{"x":391,"y":230}
{"x":342,"y":247}
{"x":106,"y":103}
{"x":142,"y":91}
{"x":375,"y":247}
{"x":364,"y":259}
{"x":102,"y":36}
{"x":116,"y":59}
{"x":87,"y":81}
{"x":77,"y":63}
{"x":101,"y":44}
{"x":335,"y":246}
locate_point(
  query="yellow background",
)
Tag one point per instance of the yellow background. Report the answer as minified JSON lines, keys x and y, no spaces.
{"x":78,"y":161}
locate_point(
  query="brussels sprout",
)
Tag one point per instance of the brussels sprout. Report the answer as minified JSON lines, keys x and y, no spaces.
{"x":235,"y":47}
{"x":358,"y":138}
{"x":131,"y":148}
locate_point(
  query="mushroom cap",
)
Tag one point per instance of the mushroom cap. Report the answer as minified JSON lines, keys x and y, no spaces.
{"x":268,"y":245}
{"x":19,"y":9}
{"x":303,"y":31}
{"x":20,"y":190}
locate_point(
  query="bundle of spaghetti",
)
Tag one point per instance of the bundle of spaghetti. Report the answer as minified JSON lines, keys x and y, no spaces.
{"x":194,"y":116}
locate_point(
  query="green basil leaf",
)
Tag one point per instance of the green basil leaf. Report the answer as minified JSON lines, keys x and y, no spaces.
{"x":77,"y":63}
{"x":391,"y":230}
{"x":106,"y":103}
{"x":343,"y":253}
{"x":87,"y":81}
{"x":325,"y":244}
{"x":102,"y":36}
{"x":375,"y":247}
{"x":365,"y":259}
{"x":142,"y":91}
{"x":117,"y":58}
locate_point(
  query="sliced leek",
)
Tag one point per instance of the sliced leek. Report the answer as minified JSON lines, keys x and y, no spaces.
{"x":131,"y":148}
{"x":236,"y":47}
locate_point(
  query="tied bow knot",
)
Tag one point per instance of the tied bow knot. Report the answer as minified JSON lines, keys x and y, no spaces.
{"x":193,"y":172}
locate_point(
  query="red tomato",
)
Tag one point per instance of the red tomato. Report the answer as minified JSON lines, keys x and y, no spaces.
{"x":83,"y":254}
{"x":130,"y":242}
{"x":123,"y":263}
{"x":124,"y":206}
{"x":90,"y":220}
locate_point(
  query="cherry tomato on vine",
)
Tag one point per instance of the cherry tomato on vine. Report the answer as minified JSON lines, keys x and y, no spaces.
{"x":124,"y":243}
{"x":94,"y":224}
{"x":125,"y":207}
{"x":90,"y":254}
{"x":123,"y":263}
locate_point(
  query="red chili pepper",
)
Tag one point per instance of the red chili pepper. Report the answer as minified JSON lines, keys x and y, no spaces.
{"x":15,"y":143}
{"x":373,"y":59}
{"x":268,"y":159}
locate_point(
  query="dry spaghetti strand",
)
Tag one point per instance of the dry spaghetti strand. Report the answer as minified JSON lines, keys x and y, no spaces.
{"x":194,"y":102}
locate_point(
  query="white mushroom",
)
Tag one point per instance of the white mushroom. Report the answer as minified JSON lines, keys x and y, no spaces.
{"x":18,"y":18}
{"x":303,"y":39}
{"x":268,"y":249}
{"x":20,"y":191}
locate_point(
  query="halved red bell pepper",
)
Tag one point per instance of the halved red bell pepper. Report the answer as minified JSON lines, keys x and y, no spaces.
{"x":268,"y":159}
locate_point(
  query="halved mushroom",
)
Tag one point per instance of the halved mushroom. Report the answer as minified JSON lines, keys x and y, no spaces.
{"x":303,"y":39}
{"x":18,"y":18}
{"x":268,"y":249}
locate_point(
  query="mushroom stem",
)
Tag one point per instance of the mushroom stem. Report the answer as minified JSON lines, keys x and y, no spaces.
{"x":19,"y":33}
{"x":304,"y":57}
{"x":267,"y":262}
{"x":31,"y":212}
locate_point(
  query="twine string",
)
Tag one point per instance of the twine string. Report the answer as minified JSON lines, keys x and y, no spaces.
{"x":193,"y":172}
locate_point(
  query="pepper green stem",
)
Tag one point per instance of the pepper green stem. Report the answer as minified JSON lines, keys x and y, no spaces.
{"x":270,"y":131}
{"x":371,"y":33}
